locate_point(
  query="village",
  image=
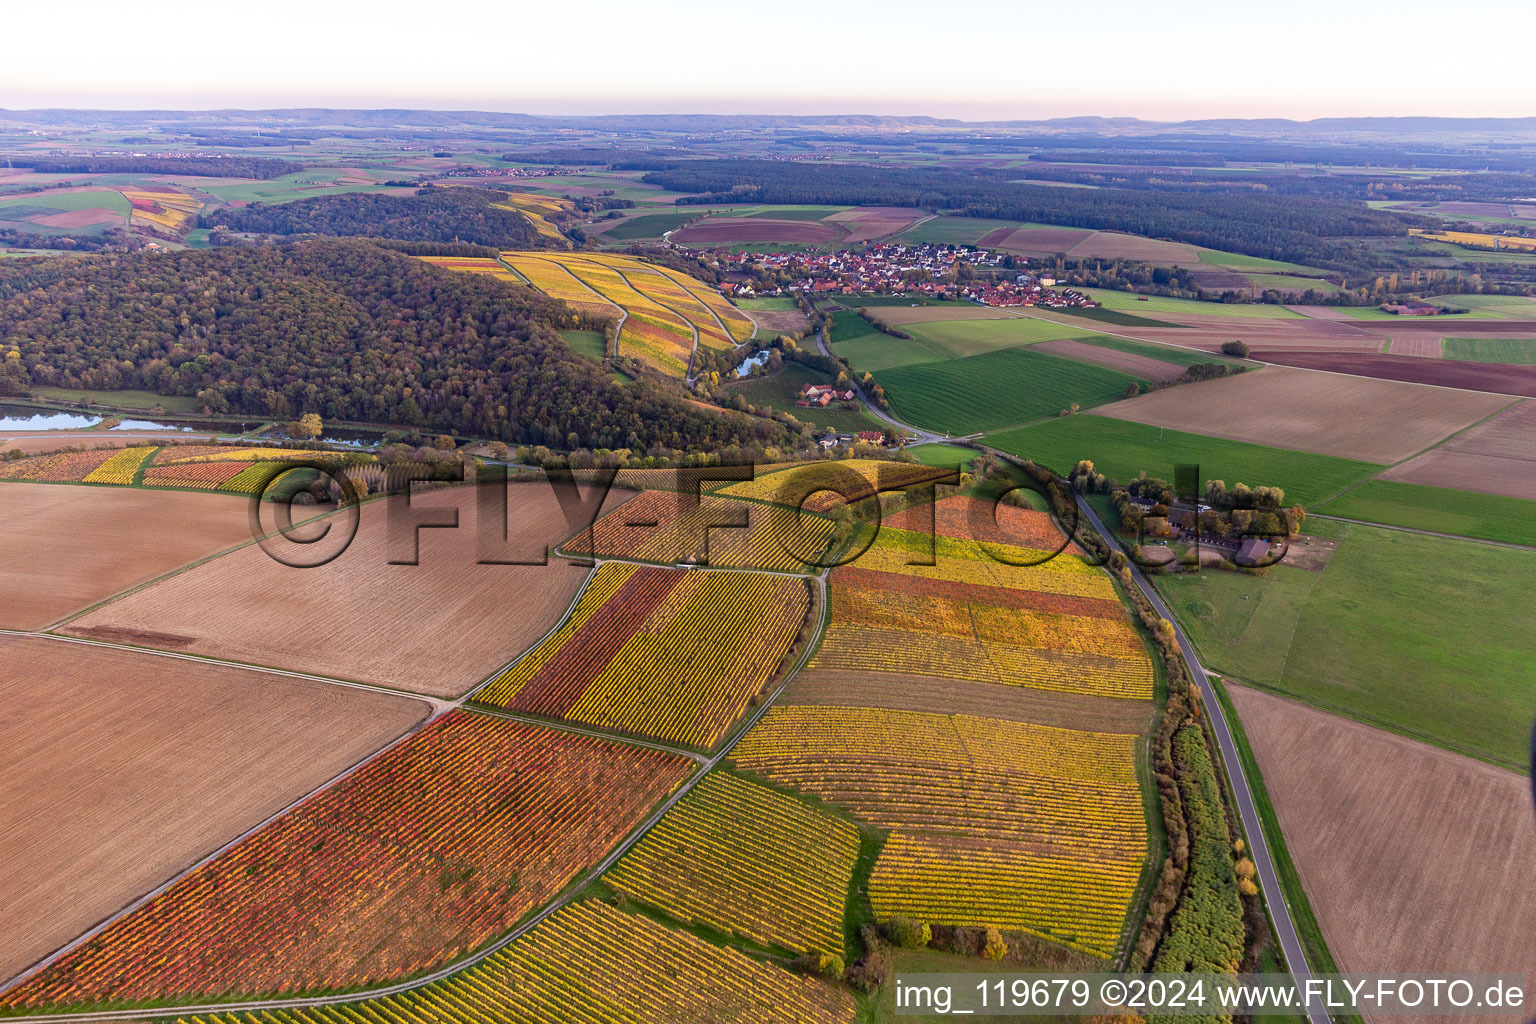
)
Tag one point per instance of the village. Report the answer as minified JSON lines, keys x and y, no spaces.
{"x":926,"y":271}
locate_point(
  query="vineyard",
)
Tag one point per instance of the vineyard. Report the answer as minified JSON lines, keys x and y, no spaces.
{"x":473,"y":265}
{"x":121,"y":468}
{"x":426,"y":853}
{"x":828,"y":484}
{"x":1003,"y":565}
{"x":667,"y":527}
{"x":63,"y":468}
{"x":988,"y":522}
{"x":163,"y":207}
{"x":594,"y":964}
{"x":670,"y":654}
{"x":745,"y":859}
{"x":995,"y":822}
{"x":542,"y":211}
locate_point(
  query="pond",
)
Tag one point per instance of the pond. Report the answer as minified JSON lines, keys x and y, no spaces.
{"x":149,"y":425}
{"x":21,"y":417}
{"x":751,"y":363}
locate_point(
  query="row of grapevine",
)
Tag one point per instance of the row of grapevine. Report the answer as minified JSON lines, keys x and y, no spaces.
{"x":427,"y":852}
{"x":743,"y":858}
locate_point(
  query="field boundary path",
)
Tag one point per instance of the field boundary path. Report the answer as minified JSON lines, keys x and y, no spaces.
{"x":1258,"y":845}
{"x":707,"y":763}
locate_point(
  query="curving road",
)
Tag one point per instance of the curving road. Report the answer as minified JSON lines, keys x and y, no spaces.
{"x":1258,"y":846}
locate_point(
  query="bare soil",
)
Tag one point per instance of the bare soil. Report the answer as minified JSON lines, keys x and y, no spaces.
{"x":1425,"y":346}
{"x":900,"y":692}
{"x":1351,"y":417}
{"x":788,"y":321}
{"x":1486,"y":474}
{"x":436,"y":627}
{"x":79,"y":218}
{"x":1414,"y":859}
{"x":871,"y":222}
{"x":1035,"y":240}
{"x":1127,"y":362}
{"x":1112,"y":245}
{"x":1448,"y":373}
{"x":65,"y":548}
{"x":120,"y":769}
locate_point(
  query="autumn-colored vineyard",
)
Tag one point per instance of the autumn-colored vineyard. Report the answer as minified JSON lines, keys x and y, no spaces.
{"x":671,"y":654}
{"x":819,"y":486}
{"x":593,"y":964}
{"x":668,"y":527}
{"x":63,"y":468}
{"x":121,"y":468}
{"x":997,"y":821}
{"x":743,"y":858}
{"x":425,"y":853}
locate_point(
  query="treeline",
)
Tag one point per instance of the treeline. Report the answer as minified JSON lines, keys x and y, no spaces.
{"x":72,"y":243}
{"x":264,"y":168}
{"x":431,"y":215}
{"x":439,"y":248}
{"x":345,"y":329}
{"x":1286,"y":228}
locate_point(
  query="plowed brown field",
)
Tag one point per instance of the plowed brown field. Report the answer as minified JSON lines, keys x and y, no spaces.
{"x":64,"y":548}
{"x":1494,"y":457}
{"x":120,"y":769}
{"x":436,"y":627}
{"x":1414,"y":859}
{"x":1447,"y":373}
{"x":1351,"y":417}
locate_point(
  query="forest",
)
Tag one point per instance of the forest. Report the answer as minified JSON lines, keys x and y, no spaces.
{"x":431,"y":215}
{"x":264,"y":168}
{"x":343,"y":328}
{"x":1316,"y":231}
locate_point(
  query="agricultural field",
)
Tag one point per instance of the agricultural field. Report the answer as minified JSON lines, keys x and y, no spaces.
{"x":972,"y":804}
{"x":1385,"y":829}
{"x":544,"y":212}
{"x":1520,"y":351}
{"x":747,"y":860}
{"x":1492,"y":458}
{"x":1130,"y":302}
{"x":665,"y":313}
{"x":162,"y":206}
{"x":960,"y":338}
{"x":669,"y":654}
{"x":436,"y":627}
{"x":122,"y":768}
{"x":1350,"y":417}
{"x":67,"y":548}
{"x":1496,"y":517}
{"x":473,"y":265}
{"x":1121,"y":449}
{"x":1141,"y":367}
{"x":669,"y":528}
{"x":422,"y":855}
{"x":828,"y":484}
{"x":63,"y":468}
{"x":782,"y":390}
{"x":893,"y":622}
{"x":65,"y":211}
{"x":996,"y":389}
{"x":1438,"y":612}
{"x":600,"y":964}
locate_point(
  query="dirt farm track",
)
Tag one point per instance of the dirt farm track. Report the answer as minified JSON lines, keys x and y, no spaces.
{"x":1410,"y":854}
{"x":119,"y":769}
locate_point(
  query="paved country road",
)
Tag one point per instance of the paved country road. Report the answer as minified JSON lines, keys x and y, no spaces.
{"x":1258,"y":846}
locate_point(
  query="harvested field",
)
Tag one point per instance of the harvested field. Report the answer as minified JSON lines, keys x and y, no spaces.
{"x":1386,"y":829}
{"x":65,"y":548}
{"x":1351,"y":417}
{"x":1047,"y":241}
{"x":870,"y":222}
{"x":79,"y":218}
{"x":1494,"y":457}
{"x":1126,"y":362}
{"x":778,"y":321}
{"x":1447,"y":373}
{"x":122,"y":769}
{"x":1425,"y":346}
{"x":1111,"y":245}
{"x":437,"y":627}
{"x":731,"y":230}
{"x":895,"y":691}
{"x":1288,"y":335}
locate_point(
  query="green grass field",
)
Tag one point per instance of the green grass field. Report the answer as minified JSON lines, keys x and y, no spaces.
{"x":1122,"y":449}
{"x":647,"y":225}
{"x":1238,"y":261}
{"x":1439,"y":510}
{"x":1492,"y":350}
{"x":131,"y":401}
{"x":973,"y":337}
{"x":783,"y":388}
{"x":769,"y":304}
{"x":790,"y":212}
{"x":1448,"y":626}
{"x":954,"y":230}
{"x":867,"y":349}
{"x":1285,"y":283}
{"x":1162,"y":353}
{"x":586,"y":343}
{"x":49,"y":201}
{"x":944,"y":455}
{"x":1132,"y":303}
{"x":994,"y":389}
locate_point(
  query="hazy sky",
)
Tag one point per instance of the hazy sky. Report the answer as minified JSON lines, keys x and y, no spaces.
{"x":978,"y":59}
